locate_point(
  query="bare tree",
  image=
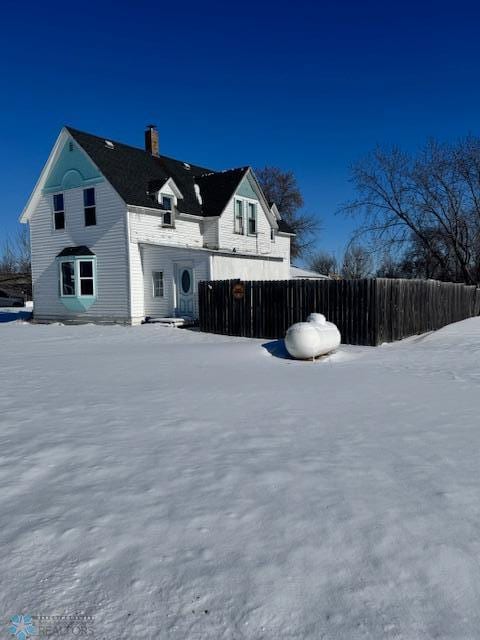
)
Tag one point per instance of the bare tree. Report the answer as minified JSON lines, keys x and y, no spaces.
{"x":281,"y":187}
{"x":324,"y":262}
{"x":428,"y":204}
{"x":8,"y":260}
{"x":357,"y":262}
{"x":15,"y":255}
{"x":388,"y":267}
{"x":22,"y":244}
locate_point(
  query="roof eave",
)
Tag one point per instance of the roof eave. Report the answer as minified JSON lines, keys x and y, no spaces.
{"x":34,"y":196}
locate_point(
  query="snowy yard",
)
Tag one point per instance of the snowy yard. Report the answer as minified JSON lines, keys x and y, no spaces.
{"x":180,"y":485}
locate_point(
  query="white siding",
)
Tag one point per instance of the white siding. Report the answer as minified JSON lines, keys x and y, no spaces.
{"x":230,"y":267}
{"x":228,"y":239}
{"x":156,"y":258}
{"x":146,"y":226}
{"x":107,"y":239}
{"x":210,"y":233}
{"x":261,"y":244}
{"x":136,"y":284}
{"x":282,"y":248}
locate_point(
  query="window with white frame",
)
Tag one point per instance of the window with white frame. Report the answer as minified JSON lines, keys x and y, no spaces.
{"x":58,"y":211}
{"x":89,"y":207}
{"x":157,"y":283}
{"x":167,"y":206}
{"x":85,"y":277}
{"x":272,"y":234}
{"x":239,"y":225}
{"x":77,"y":278}
{"x":251,"y":218}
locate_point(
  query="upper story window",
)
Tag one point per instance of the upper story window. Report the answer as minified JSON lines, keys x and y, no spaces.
{"x":252,"y":218}
{"x":272,"y":234}
{"x":58,"y":211}
{"x":167,"y":206}
{"x":239,"y":225}
{"x":89,"y":206}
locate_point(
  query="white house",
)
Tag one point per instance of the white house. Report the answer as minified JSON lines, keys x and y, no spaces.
{"x":119,"y":234}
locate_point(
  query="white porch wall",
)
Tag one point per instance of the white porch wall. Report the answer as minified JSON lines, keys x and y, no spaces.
{"x":156,"y":258}
{"x":231,"y":267}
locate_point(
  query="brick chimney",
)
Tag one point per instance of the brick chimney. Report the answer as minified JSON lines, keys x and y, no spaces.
{"x":151,"y":140}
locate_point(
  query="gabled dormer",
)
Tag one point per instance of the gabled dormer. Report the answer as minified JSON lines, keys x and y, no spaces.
{"x":166,"y":195}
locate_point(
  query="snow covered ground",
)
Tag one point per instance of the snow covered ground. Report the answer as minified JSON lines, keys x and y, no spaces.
{"x":180,"y":485}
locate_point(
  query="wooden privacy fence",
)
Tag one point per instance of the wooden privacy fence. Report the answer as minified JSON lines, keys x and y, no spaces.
{"x":367,"y":312}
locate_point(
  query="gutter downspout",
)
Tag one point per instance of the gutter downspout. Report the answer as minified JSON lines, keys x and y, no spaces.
{"x":129,"y":266}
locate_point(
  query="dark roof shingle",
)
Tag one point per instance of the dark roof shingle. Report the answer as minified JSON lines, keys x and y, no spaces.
{"x":136,"y":175}
{"x":284,"y":227}
{"x":76,"y":251}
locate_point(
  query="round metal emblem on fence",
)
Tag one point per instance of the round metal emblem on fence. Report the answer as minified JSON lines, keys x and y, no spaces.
{"x":238,"y":290}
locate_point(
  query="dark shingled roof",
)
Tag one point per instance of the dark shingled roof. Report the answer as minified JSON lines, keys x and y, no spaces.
{"x":217,"y":188}
{"x":284,"y":227}
{"x":135,"y":174}
{"x":75,"y":251}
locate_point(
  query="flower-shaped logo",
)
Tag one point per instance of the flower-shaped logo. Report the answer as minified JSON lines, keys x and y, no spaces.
{"x":22,"y":627}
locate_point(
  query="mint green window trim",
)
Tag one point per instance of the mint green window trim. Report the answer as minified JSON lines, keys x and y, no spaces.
{"x":72,"y":169}
{"x":77,"y":301}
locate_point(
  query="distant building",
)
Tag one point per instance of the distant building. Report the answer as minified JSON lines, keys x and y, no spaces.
{"x":303,"y":274}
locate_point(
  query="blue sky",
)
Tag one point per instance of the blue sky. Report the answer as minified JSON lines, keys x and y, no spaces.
{"x":307,"y":86}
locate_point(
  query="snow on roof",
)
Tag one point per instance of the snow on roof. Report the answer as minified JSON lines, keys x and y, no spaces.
{"x":296,"y":272}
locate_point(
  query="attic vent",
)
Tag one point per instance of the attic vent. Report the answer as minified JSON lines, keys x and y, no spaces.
{"x":197,"y":193}
{"x":109,"y":144}
{"x":186,"y":165}
{"x":70,"y":146}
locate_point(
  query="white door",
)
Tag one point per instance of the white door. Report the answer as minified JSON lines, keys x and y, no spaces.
{"x":184,"y":290}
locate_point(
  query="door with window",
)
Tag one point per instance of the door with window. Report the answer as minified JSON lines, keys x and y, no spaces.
{"x":184,"y":290}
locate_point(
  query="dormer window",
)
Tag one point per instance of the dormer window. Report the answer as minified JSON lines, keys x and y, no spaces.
{"x":167,"y":203}
{"x":167,"y":206}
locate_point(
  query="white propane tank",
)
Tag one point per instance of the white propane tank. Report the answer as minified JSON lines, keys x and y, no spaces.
{"x":316,"y":337}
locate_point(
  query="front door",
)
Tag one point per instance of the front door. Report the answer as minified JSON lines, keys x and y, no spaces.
{"x":185,"y":290}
